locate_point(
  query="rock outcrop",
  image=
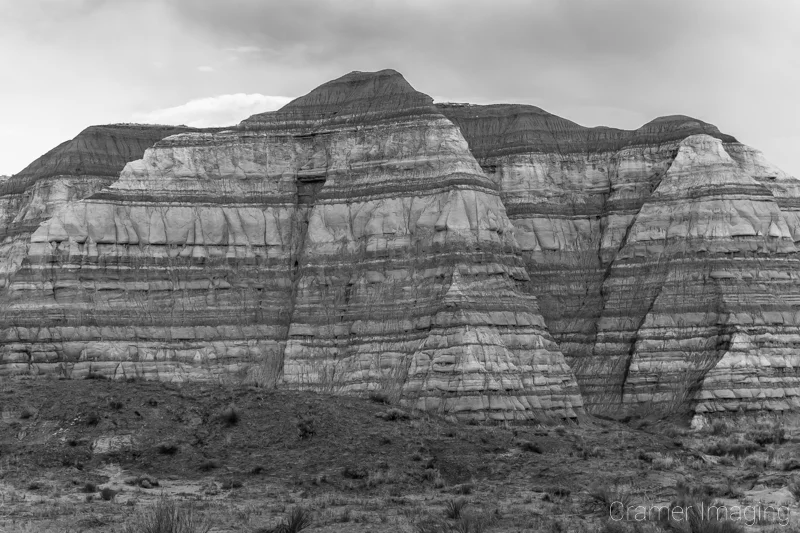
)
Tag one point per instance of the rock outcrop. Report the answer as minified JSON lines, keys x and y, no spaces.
{"x":73,"y":170}
{"x":349,"y":241}
{"x":482,"y":261}
{"x":663,"y":258}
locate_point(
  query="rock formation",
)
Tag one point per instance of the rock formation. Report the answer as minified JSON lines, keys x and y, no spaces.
{"x":349,"y":242}
{"x":73,"y":170}
{"x":663,"y":258}
{"x":483,"y":261}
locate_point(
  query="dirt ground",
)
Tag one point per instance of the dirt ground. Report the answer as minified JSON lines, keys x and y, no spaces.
{"x":244,"y":458}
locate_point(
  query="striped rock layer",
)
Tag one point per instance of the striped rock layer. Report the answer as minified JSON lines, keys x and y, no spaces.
{"x":71,"y":171}
{"x":663,"y":258}
{"x":354,"y":241}
{"x":348,"y":242}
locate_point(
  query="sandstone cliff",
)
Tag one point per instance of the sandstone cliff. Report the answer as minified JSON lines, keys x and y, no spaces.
{"x":483,"y":261}
{"x":349,"y":242}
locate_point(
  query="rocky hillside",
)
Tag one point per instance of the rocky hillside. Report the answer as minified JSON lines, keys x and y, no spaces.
{"x":484,"y":261}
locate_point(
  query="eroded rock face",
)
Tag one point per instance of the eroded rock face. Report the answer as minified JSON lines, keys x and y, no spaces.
{"x":349,"y":241}
{"x":647,"y":251}
{"x":71,"y":171}
{"x":473,"y":260}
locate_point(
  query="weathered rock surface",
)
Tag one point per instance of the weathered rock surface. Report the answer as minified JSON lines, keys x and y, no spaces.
{"x":73,"y":170}
{"x":663,"y":258}
{"x":349,"y":241}
{"x":474,"y":260}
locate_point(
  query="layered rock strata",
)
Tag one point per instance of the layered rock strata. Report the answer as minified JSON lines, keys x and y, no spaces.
{"x":663,"y":258}
{"x":71,"y":171}
{"x":362,"y":239}
{"x":349,"y":241}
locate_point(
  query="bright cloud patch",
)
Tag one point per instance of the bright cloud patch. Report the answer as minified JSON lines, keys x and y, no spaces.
{"x":224,"y":110}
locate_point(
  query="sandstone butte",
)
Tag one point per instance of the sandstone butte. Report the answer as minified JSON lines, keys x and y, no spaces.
{"x":486,"y":262}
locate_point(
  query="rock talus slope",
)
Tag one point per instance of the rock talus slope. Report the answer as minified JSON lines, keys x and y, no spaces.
{"x":663,"y":258}
{"x":349,"y":241}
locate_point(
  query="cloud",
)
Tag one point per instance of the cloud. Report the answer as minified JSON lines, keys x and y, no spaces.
{"x":223,"y":110}
{"x":244,"y":49}
{"x":205,"y":68}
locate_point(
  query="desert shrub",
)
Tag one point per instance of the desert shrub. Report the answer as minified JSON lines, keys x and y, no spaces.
{"x":604,"y":499}
{"x":298,"y":520}
{"x":554,"y":493}
{"x":531,"y":447}
{"x":469,"y":523}
{"x":354,"y":472}
{"x":431,"y":525}
{"x":738,"y":448}
{"x":464,"y":488}
{"x":767,"y":433}
{"x":168,"y":448}
{"x":166,"y":517}
{"x":230,"y":416}
{"x":662,"y":461}
{"x":379,"y":397}
{"x":232,"y":483}
{"x":306,"y":428}
{"x":693,"y":499}
{"x":92,"y":419}
{"x":647,"y":457}
{"x":115,"y":404}
{"x":453,"y":508}
{"x":594,"y":451}
{"x":794,"y":487}
{"x":393,"y":414}
{"x":720,"y":428}
{"x":208,"y":464}
{"x":27,"y":412}
{"x":758,"y":461}
{"x":34,"y":485}
{"x":89,"y":488}
{"x":108,"y":494}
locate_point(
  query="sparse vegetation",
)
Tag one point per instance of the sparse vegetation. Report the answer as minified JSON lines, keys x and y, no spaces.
{"x":453,"y":508}
{"x":393,"y":414}
{"x":794,"y":487}
{"x":353,"y":472}
{"x":298,"y":520}
{"x":379,"y":397}
{"x":733,"y":446}
{"x":766,"y":433}
{"x":166,"y":517}
{"x":230,"y":416}
{"x":399,"y":475}
{"x":168,"y":448}
{"x":208,"y":464}
{"x":530,"y":447}
{"x":720,"y":428}
{"x":306,"y":427}
{"x":601,"y":499}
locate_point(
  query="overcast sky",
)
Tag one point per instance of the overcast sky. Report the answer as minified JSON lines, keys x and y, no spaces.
{"x":67,"y":64}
